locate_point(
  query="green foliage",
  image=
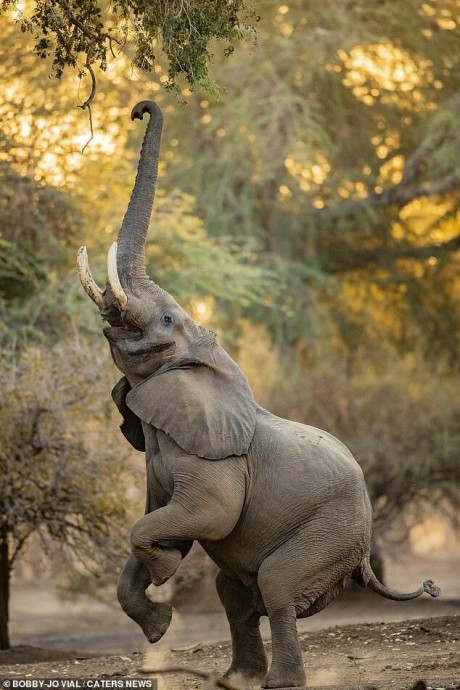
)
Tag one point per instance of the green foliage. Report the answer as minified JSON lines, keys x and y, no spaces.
{"x":189,"y":263}
{"x":183,"y":29}
{"x":339,"y":156}
{"x":37,"y":225}
{"x":19,"y":273}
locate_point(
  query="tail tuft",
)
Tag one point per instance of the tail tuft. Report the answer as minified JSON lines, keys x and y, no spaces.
{"x":431,"y":588}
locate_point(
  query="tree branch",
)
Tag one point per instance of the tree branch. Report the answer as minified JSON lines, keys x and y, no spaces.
{"x":89,"y":100}
{"x":83,"y":28}
{"x":385,"y":255}
{"x":402,"y":193}
{"x":19,"y":544}
{"x":94,"y":38}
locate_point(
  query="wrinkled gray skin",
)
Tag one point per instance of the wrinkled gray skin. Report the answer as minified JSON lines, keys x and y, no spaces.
{"x":282,"y":508}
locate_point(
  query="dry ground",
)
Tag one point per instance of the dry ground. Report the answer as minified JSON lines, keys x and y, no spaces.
{"x":351,"y":657}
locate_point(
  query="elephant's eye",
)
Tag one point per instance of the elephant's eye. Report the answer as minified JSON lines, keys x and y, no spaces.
{"x":167,"y":319}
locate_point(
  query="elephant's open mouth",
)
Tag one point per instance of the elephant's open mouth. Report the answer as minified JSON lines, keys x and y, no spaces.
{"x":116,"y":333}
{"x":153,"y":349}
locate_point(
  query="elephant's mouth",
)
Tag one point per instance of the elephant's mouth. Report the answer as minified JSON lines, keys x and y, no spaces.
{"x":126,"y":340}
{"x":153,"y":349}
{"x":116,"y":333}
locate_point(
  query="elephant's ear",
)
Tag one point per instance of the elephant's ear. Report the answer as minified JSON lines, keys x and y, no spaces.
{"x":207,"y":408}
{"x":131,"y":426}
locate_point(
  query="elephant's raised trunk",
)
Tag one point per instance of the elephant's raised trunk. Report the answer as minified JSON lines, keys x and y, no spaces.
{"x":133,"y":231}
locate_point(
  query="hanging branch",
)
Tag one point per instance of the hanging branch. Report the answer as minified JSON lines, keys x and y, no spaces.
{"x":95,"y":40}
{"x":89,"y":100}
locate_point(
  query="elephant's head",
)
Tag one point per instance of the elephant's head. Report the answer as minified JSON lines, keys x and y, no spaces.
{"x":177,"y":377}
{"x":146,"y":327}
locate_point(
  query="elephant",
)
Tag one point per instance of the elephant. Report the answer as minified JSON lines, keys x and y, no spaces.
{"x":280,"y":507}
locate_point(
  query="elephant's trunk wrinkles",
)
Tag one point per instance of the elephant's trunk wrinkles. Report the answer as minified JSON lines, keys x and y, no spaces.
{"x":133,"y":231}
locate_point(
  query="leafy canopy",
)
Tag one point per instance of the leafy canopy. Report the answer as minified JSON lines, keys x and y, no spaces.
{"x":182,"y":29}
{"x":340,"y":156}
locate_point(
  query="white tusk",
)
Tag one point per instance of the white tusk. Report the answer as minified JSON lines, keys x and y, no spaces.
{"x":114,"y":280}
{"x":89,"y":284}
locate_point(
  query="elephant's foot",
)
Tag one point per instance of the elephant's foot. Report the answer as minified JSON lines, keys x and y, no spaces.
{"x":285,"y":678}
{"x":250,"y":667}
{"x":156,"y":622}
{"x":245,"y":675}
{"x":153,"y":618}
{"x":161,"y":562}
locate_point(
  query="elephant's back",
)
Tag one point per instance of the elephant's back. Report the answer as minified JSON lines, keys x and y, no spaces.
{"x":294,"y":447}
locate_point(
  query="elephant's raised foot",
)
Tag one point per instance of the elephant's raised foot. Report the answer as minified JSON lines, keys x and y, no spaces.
{"x":153,"y":618}
{"x":155,"y":624}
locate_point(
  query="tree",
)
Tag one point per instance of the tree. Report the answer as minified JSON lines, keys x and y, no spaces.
{"x":39,"y":223}
{"x":53,"y":199}
{"x":62,"y":478}
{"x":339,"y":156}
{"x":65,"y":29}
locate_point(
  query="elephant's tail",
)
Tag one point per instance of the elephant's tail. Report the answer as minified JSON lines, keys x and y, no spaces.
{"x":364,"y":575}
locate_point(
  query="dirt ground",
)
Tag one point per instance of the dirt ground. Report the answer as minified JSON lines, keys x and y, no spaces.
{"x":360,"y":641}
{"x":350,"y":657}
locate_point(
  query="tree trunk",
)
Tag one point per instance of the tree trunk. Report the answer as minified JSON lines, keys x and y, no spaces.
{"x":4,"y":588}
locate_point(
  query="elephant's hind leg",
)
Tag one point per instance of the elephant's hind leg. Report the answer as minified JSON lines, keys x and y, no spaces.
{"x":276,"y":584}
{"x":287,"y":669}
{"x":303,"y":575}
{"x":248,"y":655}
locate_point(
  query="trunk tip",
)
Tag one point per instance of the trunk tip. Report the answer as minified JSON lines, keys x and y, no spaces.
{"x":143,"y":107}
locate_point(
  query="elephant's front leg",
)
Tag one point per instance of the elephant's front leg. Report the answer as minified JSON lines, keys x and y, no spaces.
{"x":162,"y":563}
{"x":152,"y":617}
{"x":206,"y":504}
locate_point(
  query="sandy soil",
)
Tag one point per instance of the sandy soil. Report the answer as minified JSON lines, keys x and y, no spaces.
{"x":351,"y":657}
{"x":361,"y":641}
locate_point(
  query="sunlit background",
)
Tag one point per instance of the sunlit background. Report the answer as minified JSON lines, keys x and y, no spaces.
{"x":309,"y":216}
